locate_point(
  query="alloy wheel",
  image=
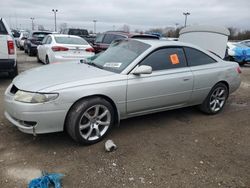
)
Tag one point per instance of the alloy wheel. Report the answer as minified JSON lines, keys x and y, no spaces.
{"x":94,"y":122}
{"x":217,"y":99}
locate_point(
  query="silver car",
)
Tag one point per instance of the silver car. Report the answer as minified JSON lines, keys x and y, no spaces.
{"x":131,"y":78}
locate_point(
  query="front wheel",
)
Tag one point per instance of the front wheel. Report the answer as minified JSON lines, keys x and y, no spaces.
{"x":29,"y":52}
{"x":215,"y":100}
{"x":89,"y":120}
{"x":38,"y":59}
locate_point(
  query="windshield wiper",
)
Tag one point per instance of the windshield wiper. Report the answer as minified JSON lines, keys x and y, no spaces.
{"x":94,"y":64}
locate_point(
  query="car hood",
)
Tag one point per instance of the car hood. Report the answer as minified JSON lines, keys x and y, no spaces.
{"x":55,"y":74}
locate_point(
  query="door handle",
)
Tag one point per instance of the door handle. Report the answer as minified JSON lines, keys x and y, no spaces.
{"x":186,"y":79}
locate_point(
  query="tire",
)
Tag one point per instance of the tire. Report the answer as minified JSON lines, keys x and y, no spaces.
{"x":38,"y":59}
{"x":242,"y":63}
{"x":90,"y":120}
{"x":29,"y":52}
{"x":47,"y":60}
{"x":13,"y":73}
{"x":215,"y":100}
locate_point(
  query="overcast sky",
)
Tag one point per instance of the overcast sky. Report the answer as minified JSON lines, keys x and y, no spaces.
{"x":138,"y":14}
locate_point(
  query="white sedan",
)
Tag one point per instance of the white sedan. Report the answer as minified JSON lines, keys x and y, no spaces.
{"x":61,"y":48}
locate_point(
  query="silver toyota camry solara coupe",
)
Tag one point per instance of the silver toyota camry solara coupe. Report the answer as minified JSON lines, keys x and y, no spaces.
{"x":131,"y":78}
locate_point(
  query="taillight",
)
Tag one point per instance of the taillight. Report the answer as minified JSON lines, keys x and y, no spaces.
{"x":239,"y":70}
{"x":11,"y":47}
{"x":90,"y":50}
{"x":59,"y":48}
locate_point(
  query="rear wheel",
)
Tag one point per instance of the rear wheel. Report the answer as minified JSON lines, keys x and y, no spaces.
{"x":215,"y":100}
{"x":47,"y":60}
{"x":14,"y":72}
{"x":90,"y":120}
{"x":38,"y":59}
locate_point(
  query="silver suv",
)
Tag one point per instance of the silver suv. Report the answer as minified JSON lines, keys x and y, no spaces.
{"x":8,"y":61}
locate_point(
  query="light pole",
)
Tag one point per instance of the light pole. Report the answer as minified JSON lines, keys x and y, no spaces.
{"x":55,"y":11}
{"x":186,"y":14}
{"x":32,"y":23}
{"x":94,"y":26}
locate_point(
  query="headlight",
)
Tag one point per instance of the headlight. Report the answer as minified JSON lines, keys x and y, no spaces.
{"x":29,"y":97}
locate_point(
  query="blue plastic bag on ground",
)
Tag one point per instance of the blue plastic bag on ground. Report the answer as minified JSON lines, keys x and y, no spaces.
{"x":47,"y":181}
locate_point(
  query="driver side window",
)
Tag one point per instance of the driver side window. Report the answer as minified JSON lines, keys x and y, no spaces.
{"x":44,"y":40}
{"x":166,"y":58}
{"x":49,"y":40}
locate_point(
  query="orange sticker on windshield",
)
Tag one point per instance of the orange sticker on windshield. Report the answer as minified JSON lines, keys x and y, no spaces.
{"x":174,"y":59}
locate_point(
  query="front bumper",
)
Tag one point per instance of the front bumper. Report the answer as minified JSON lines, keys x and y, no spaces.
{"x":35,"y":118}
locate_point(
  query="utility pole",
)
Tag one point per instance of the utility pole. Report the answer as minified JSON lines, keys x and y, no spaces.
{"x":186,"y":14}
{"x":94,"y":26}
{"x":55,"y":11}
{"x":32,"y":23}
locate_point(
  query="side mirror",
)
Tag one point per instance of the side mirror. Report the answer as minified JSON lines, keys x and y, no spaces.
{"x":143,"y":69}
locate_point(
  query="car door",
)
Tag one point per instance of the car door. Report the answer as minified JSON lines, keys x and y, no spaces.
{"x":206,"y":73}
{"x":168,"y":86}
{"x":47,"y":47}
{"x":41,"y":49}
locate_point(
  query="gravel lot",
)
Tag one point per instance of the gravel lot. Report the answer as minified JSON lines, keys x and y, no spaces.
{"x":180,"y":148}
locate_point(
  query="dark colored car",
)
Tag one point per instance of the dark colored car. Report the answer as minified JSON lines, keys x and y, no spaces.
{"x":103,"y":40}
{"x":35,"y":38}
{"x":81,"y":33}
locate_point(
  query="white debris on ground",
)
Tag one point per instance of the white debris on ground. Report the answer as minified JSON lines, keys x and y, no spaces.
{"x":110,"y":146}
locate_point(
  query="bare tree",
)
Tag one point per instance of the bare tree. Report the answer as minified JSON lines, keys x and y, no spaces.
{"x":63,"y":26}
{"x":125,"y":28}
{"x":40,"y":28}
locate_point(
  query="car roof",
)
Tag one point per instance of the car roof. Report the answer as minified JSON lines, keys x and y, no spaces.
{"x":159,"y":43}
{"x":132,"y":35}
{"x":64,"y":35}
{"x":41,"y":32}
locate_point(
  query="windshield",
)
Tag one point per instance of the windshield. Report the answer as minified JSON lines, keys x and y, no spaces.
{"x":78,"y":32}
{"x":120,"y":54}
{"x":71,"y":40}
{"x":241,"y":45}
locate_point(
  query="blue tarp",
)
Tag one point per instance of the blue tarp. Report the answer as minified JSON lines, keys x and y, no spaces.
{"x":47,"y":181}
{"x":241,"y":54}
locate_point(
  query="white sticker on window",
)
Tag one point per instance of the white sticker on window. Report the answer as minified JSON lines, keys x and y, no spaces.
{"x":112,"y":65}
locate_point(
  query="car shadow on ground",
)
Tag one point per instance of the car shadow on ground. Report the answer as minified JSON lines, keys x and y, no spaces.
{"x":136,"y":124}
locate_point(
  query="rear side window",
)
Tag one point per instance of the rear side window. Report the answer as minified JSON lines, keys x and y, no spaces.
{"x":3,"y":30}
{"x":99,"y":38}
{"x":49,"y":40}
{"x":196,"y":57}
{"x":166,"y":58}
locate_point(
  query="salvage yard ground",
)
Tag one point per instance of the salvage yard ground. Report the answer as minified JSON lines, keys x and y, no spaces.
{"x":180,"y":148}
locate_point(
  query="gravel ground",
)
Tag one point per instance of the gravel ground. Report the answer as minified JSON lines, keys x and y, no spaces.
{"x":179,"y":148}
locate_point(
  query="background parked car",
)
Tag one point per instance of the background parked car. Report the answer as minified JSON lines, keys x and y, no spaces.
{"x":16,"y":34}
{"x":59,"y":48}
{"x":245,"y":42}
{"x":103,"y":40}
{"x":81,"y":33}
{"x":35,"y":38}
{"x":20,"y":42}
{"x":238,"y":52}
{"x":8,"y":61}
